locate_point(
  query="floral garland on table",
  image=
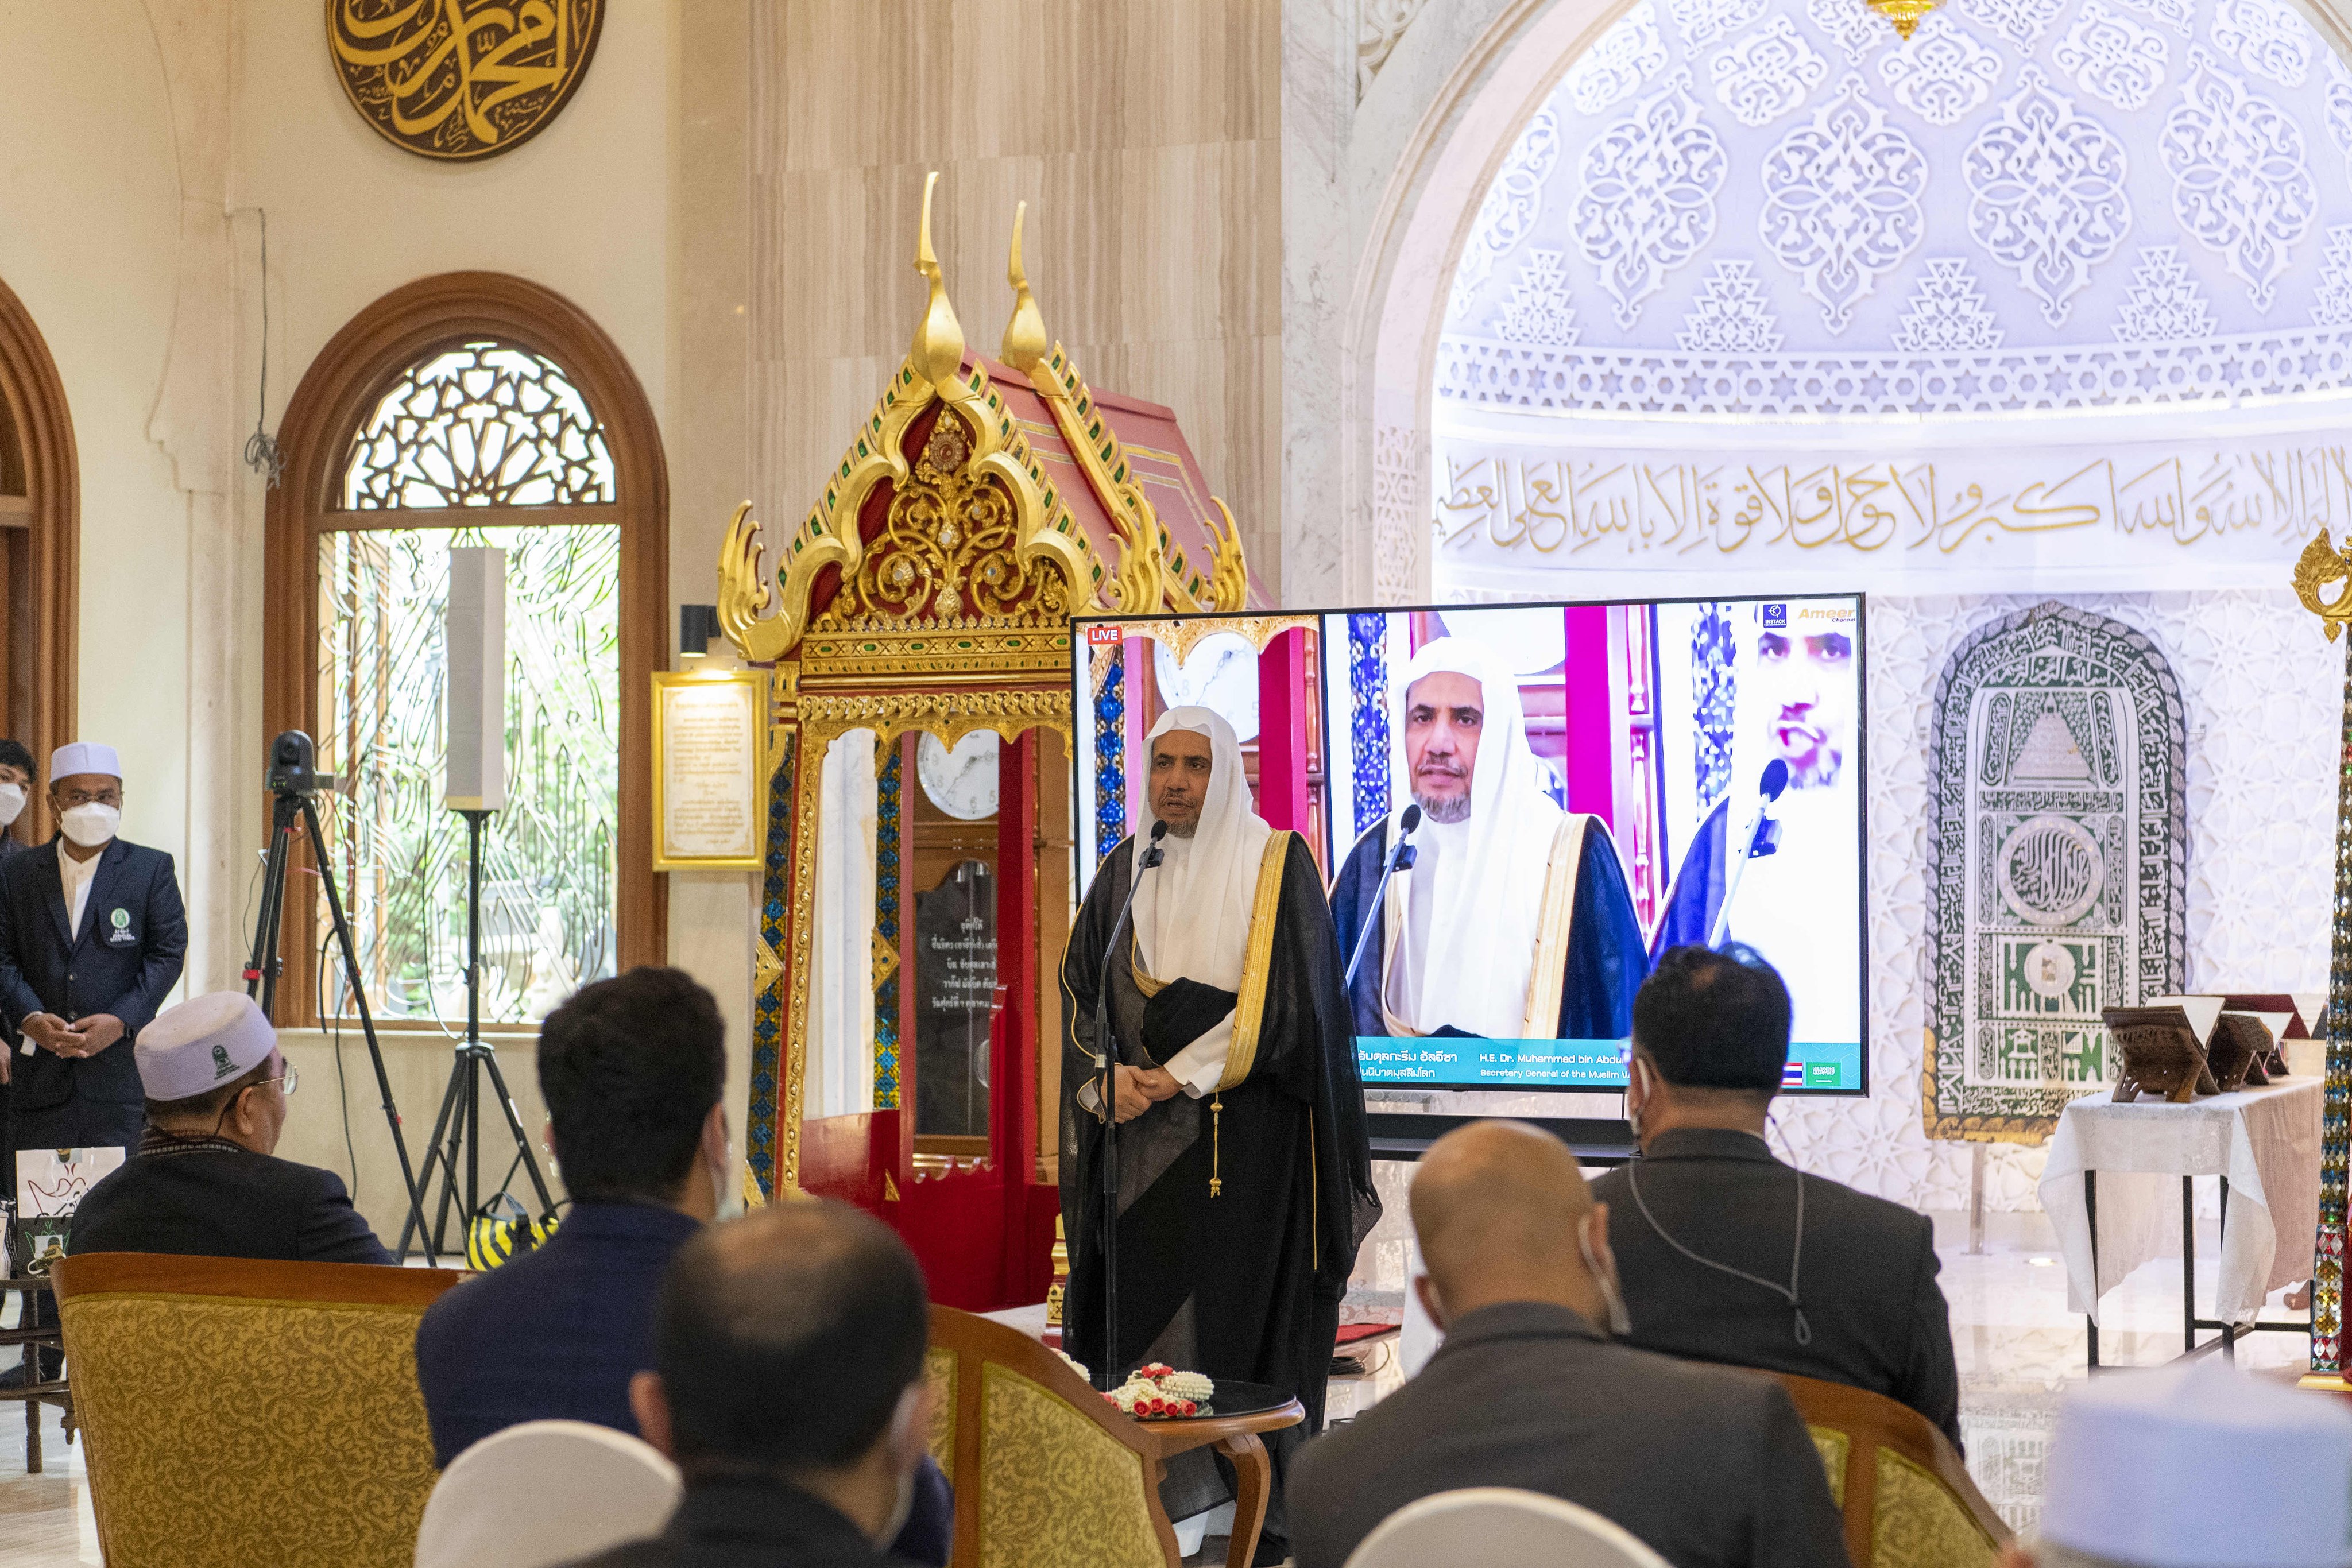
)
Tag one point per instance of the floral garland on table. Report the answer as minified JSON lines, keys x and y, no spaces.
{"x":1157,"y":1392}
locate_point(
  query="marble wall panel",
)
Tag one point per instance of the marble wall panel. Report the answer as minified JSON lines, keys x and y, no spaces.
{"x":1146,"y":140}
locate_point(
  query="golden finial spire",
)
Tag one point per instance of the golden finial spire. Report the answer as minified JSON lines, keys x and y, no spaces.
{"x":1024,"y":335}
{"x":938,"y":352}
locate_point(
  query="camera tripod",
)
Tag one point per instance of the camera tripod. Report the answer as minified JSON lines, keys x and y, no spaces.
{"x":457,"y":1129}
{"x":291,"y":809}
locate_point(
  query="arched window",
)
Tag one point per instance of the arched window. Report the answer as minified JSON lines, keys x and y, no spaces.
{"x":39,"y":525}
{"x":421,"y":428}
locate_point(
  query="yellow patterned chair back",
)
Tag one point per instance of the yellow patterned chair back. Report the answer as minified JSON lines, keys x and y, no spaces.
{"x":1908,"y":1500}
{"x":239,"y":1411}
{"x":1047,"y":1475}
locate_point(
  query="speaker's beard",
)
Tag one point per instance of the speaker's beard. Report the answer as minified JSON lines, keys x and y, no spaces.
{"x":1183,"y":830}
{"x":1451,"y":809}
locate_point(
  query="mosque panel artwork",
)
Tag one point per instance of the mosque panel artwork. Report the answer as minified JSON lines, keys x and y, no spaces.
{"x":2057,"y":863}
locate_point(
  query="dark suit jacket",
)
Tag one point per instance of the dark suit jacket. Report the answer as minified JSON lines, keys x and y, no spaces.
{"x":746,"y":1524}
{"x":558,"y":1333}
{"x":1867,"y":1279}
{"x":208,"y":1198}
{"x":1708,"y":1465}
{"x":125,"y":968}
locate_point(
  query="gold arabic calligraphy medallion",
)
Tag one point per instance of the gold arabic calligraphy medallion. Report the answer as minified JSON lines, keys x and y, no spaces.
{"x":459,"y":79}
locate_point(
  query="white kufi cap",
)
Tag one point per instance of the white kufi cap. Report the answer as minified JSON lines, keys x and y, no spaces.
{"x":2200,"y":1468}
{"x":84,"y":757}
{"x":201,"y":1044}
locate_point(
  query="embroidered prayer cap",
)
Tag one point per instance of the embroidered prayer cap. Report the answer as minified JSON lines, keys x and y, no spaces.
{"x":2200,"y":1468}
{"x":84,"y":757}
{"x":194,"y":1048}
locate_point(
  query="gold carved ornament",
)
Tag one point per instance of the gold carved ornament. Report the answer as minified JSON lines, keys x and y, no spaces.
{"x":2320,"y":564}
{"x":1142,"y":581}
{"x":1904,"y":15}
{"x":461,"y":79}
{"x":975,"y":531}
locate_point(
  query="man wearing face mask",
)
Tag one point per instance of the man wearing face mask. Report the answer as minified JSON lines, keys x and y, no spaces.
{"x":16,"y":790}
{"x":634,"y":1072}
{"x":1532,"y":1389}
{"x":788,"y":1385}
{"x":1730,"y":1256}
{"x":92,"y":938}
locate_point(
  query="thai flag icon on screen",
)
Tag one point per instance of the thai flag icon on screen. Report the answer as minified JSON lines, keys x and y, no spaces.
{"x":1776,"y":615}
{"x":1792,"y":1075}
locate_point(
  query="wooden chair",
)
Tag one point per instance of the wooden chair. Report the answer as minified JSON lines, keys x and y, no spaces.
{"x":1908,"y":1500}
{"x":239,"y":1411}
{"x":1046,"y":1474}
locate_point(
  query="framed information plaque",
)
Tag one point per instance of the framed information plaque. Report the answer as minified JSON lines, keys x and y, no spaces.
{"x":707,"y":796}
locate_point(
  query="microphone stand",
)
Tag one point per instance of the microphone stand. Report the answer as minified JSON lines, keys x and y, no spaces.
{"x":1106,"y":1094}
{"x":1406,"y":854}
{"x":1762,"y":838}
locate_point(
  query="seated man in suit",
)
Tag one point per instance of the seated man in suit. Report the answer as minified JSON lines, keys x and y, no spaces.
{"x":1708,"y":1465}
{"x":788,"y":1385}
{"x":1726,"y":1254}
{"x":206,"y":1180}
{"x":633,"y":1070}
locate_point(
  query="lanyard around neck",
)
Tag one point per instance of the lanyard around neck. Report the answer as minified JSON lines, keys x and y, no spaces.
{"x":1804,"y":1331}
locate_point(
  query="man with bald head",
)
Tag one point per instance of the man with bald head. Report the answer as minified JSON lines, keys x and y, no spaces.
{"x":788,"y":1385}
{"x":1532,"y":1390}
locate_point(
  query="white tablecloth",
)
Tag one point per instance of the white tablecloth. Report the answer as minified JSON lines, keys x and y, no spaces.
{"x":2266,"y":1141}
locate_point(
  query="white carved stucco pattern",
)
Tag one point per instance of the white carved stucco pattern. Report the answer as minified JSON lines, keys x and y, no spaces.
{"x":1842,"y":201}
{"x":2157,"y":122}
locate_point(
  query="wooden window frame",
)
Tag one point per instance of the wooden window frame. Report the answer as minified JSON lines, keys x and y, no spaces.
{"x":343,"y":384}
{"x":35,"y":402}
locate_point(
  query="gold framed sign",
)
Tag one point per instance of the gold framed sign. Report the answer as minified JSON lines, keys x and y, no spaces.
{"x":708,"y":798}
{"x":460,"y":79}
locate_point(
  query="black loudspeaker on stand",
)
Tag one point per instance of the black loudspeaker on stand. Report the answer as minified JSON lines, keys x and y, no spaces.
{"x":293,"y":779}
{"x":1109,"y":1374}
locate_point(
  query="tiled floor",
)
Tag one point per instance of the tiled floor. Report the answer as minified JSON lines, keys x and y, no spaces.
{"x":2018,"y":1346}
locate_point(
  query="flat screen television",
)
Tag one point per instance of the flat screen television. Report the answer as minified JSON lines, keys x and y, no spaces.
{"x":1589,"y":784}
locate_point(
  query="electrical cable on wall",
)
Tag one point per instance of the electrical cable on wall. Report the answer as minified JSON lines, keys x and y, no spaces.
{"x":261,"y":451}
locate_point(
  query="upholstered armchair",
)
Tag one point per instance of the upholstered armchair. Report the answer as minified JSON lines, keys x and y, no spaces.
{"x":1047,"y":1475}
{"x":1908,"y":1500}
{"x":236,"y":1411}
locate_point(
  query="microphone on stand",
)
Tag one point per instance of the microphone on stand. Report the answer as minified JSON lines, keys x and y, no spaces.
{"x":1760,"y":838}
{"x":1400,"y":861}
{"x":1107,"y":1375}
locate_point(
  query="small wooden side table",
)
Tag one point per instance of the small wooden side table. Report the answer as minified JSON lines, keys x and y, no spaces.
{"x":27,"y":1391}
{"x":1243,"y":1410}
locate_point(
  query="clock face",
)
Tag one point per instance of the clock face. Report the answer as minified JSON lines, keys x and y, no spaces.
{"x":1220,"y":674}
{"x":962,"y":782}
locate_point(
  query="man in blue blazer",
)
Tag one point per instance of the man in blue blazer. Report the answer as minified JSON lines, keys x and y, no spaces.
{"x":633,"y":1070}
{"x":92,"y":938}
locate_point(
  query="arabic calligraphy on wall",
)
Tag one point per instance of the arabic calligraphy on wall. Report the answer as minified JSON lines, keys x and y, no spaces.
{"x":2163,"y":514}
{"x":459,"y":79}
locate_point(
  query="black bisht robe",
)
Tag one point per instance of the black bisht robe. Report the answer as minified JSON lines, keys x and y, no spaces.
{"x":1607,"y":960}
{"x":1245,"y":1284}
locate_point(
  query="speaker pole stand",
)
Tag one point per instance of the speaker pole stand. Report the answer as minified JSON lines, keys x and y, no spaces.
{"x":457,"y":1128}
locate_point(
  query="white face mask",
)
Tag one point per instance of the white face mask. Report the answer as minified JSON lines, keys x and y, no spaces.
{"x":901,"y":1431}
{"x":91,"y":825}
{"x":727,"y":1186}
{"x":12,"y":803}
{"x":1621,"y":1322}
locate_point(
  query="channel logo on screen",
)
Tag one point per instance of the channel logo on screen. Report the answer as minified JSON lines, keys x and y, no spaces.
{"x":1776,"y":615}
